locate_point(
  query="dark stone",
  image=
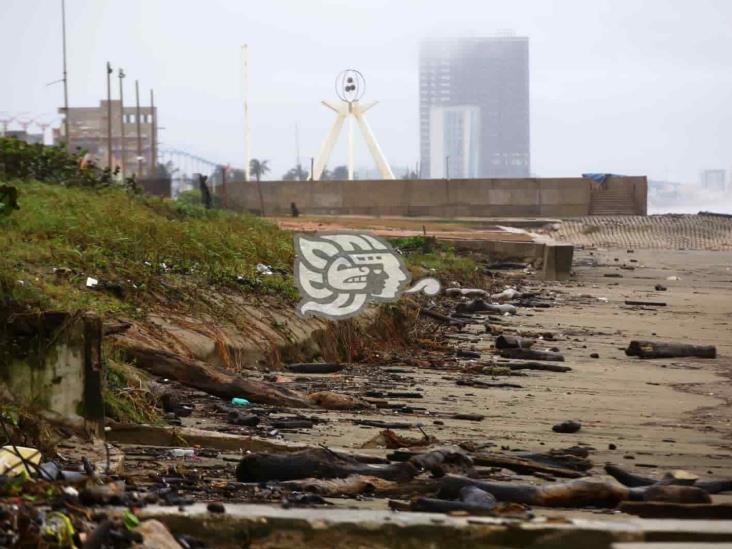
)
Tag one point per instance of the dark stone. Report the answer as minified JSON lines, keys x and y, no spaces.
{"x":568,"y":426}
{"x":216,"y":507}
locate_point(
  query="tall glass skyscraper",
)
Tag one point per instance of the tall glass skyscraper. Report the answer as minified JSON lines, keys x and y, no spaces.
{"x":474,"y":107}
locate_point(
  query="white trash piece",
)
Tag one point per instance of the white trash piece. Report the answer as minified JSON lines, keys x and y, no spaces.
{"x":264,"y":269}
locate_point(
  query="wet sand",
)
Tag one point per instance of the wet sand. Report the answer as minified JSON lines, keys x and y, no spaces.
{"x":660,"y":414}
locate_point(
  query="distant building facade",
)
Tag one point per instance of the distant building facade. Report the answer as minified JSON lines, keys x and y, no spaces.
{"x":88,"y":131}
{"x":22,"y":135}
{"x":714,"y":180}
{"x":474,"y":107}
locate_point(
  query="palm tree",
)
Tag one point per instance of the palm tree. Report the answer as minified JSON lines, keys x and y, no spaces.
{"x":258,"y":168}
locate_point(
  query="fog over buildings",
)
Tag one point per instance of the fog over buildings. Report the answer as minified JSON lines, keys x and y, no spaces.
{"x":615,"y":85}
{"x":474,"y":115}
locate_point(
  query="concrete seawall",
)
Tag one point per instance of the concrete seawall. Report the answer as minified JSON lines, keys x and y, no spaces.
{"x":553,"y":197}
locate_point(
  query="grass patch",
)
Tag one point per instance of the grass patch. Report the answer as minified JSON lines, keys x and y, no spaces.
{"x":138,"y":247}
{"x":126,"y":395}
{"x":425,"y":255}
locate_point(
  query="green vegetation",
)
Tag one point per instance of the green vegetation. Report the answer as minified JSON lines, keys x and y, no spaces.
{"x":425,"y":255}
{"x":21,"y":160}
{"x":138,"y":247}
{"x":126,"y":395}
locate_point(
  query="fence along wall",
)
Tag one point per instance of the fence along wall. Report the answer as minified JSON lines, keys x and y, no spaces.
{"x":560,"y":197}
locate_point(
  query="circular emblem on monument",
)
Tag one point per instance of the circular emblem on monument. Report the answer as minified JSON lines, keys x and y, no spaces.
{"x":350,"y":85}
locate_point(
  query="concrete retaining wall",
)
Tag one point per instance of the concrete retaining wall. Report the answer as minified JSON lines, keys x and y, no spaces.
{"x":550,"y":197}
{"x":53,"y":360}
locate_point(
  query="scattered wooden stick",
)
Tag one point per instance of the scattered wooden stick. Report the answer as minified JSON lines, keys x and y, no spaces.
{"x":315,"y":368}
{"x":530,"y":365}
{"x":522,"y":465}
{"x":531,"y":354}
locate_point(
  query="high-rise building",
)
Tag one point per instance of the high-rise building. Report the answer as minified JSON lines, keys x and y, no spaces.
{"x":474,"y":107}
{"x":88,"y":131}
{"x":714,"y":180}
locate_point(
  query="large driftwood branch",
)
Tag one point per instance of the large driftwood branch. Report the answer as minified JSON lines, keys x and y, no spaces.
{"x":576,"y":493}
{"x":318,"y":463}
{"x":199,"y":375}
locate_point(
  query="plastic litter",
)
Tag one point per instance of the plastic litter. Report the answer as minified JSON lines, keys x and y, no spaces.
{"x":57,"y":528}
{"x":182,"y":452}
{"x":11,"y":464}
{"x":91,"y":282}
{"x":237,"y":401}
{"x":264,"y":269}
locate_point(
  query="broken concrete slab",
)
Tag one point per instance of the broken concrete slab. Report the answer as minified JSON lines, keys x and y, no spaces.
{"x":266,"y":525}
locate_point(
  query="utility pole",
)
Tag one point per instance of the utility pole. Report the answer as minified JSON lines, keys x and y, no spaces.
{"x":297,"y":152}
{"x":65,"y":76}
{"x":123,"y":146}
{"x":109,"y":116}
{"x":247,"y":133}
{"x":447,"y":167}
{"x":153,"y":138}
{"x":312,"y":168}
{"x":139,"y":132}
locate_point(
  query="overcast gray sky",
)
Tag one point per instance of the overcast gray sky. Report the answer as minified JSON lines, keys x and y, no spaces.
{"x":624,"y":86}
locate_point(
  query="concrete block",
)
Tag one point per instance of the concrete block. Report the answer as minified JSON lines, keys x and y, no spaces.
{"x":53,"y":360}
{"x":557,"y":261}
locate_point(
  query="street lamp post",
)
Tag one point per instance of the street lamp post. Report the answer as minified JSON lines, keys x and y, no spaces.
{"x":123,"y":145}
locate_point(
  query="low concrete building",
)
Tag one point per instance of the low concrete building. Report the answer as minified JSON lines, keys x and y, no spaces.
{"x":88,"y":128}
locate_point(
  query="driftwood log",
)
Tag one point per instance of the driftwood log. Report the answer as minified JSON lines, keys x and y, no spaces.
{"x":530,"y":365}
{"x":487,"y":384}
{"x":315,"y":368}
{"x":523,"y":465}
{"x":531,"y":354}
{"x":575,"y":493}
{"x":318,"y":463}
{"x":430,"y":313}
{"x":513,"y":342}
{"x":660,"y":349}
{"x":710,"y":486}
{"x":472,"y":500}
{"x":199,"y":375}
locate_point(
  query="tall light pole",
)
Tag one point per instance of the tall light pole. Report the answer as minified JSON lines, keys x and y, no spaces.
{"x":139,"y":133}
{"x":109,"y":116}
{"x":65,"y":78}
{"x":123,"y":145}
{"x":247,"y":132}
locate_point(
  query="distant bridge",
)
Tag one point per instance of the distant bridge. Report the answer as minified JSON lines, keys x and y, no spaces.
{"x":186,"y":163}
